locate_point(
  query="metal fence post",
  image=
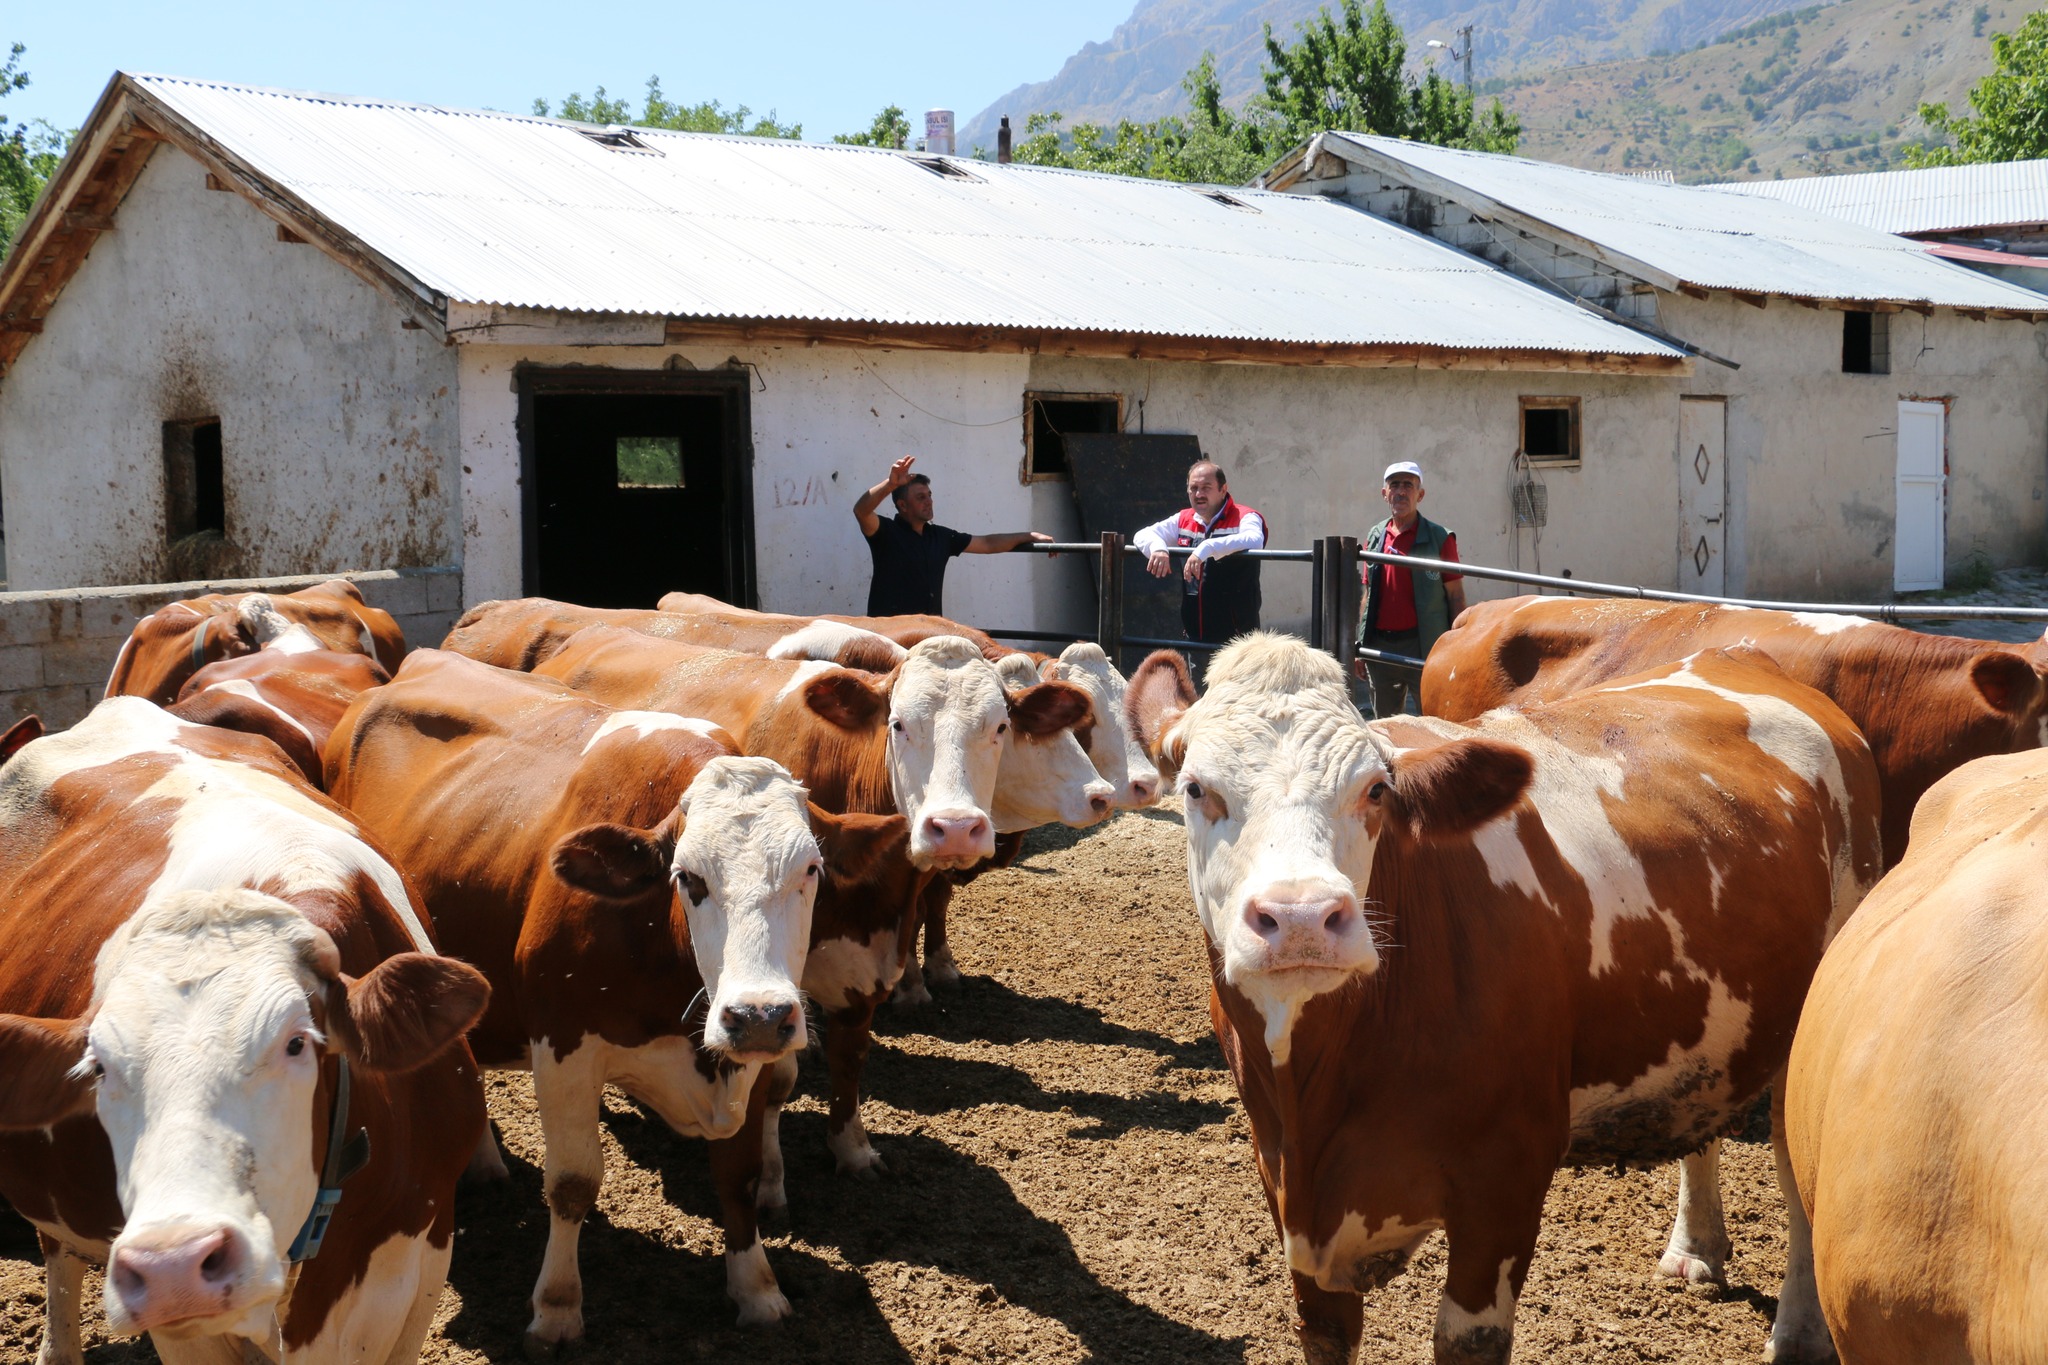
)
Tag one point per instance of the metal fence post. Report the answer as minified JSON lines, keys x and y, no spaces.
{"x":1346,"y":591}
{"x":1319,"y":595}
{"x":1109,"y":606}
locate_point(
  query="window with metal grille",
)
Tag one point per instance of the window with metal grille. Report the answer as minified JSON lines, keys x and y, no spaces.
{"x":1550,"y":430}
{"x":1049,"y":418}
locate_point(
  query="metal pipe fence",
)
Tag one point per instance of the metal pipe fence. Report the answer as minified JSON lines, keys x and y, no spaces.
{"x":1335,"y":599}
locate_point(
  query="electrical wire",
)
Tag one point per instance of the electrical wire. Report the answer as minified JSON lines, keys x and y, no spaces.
{"x":936,"y":417}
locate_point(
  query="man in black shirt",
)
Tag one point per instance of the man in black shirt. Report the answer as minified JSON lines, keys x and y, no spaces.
{"x":910,"y":550}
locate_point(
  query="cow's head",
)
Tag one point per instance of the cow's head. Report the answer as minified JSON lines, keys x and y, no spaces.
{"x":1046,"y":776}
{"x":1288,"y":793}
{"x":947,"y":715}
{"x":740,"y":852}
{"x":212,"y":1014}
{"x":1112,"y":745}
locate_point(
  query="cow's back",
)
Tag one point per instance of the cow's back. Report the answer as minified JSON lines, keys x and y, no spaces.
{"x":1915,"y":1099}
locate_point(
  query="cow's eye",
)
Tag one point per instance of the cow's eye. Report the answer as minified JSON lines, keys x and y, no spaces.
{"x":897,"y":726}
{"x":813,"y":870}
{"x":295,"y":1047}
{"x":1376,"y":792}
{"x":1002,"y":727}
{"x":693,"y":886}
{"x":99,"y":1070}
{"x":1194,"y":791}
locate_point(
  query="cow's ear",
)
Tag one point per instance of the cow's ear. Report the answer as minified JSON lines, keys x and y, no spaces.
{"x":847,"y":700}
{"x":1049,"y":708}
{"x":854,"y":845}
{"x":615,"y":862}
{"x":39,"y":1058}
{"x":24,"y":731}
{"x":2008,"y":683}
{"x":406,"y":1011}
{"x":1159,"y":693}
{"x":1451,"y":788}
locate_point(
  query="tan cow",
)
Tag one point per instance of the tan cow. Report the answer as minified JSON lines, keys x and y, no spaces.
{"x":1448,"y":957}
{"x":292,"y":700}
{"x":199,"y":955}
{"x":1926,"y":703}
{"x":640,"y":896}
{"x":172,"y":643}
{"x":1918,"y":1087}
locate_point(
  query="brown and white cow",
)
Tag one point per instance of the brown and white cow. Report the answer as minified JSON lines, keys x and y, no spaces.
{"x":1926,"y":703}
{"x":522,"y":632}
{"x":904,"y":630}
{"x":173,"y":642}
{"x":611,"y":871}
{"x":1918,"y":1091}
{"x":292,"y":700}
{"x":197,"y":953}
{"x":924,"y":741}
{"x":1448,"y":958}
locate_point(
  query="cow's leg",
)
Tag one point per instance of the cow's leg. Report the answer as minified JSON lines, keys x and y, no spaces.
{"x":1698,"y":1250}
{"x":568,"y":1094}
{"x":846,"y":1052}
{"x":1327,"y":1322}
{"x":1490,"y":1250}
{"x":63,"y":1277}
{"x":772,"y":1193}
{"x":736,"y":1172}
{"x":1799,"y":1332}
{"x":939,"y":967}
{"x":910,"y":987}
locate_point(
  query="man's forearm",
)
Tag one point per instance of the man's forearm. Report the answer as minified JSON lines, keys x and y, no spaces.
{"x":997,"y":542}
{"x":872,"y":499}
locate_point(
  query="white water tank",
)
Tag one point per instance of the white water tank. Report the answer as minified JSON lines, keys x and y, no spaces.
{"x":938,"y":132}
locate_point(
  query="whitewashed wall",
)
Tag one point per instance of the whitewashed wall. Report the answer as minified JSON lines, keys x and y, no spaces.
{"x":337,"y":424}
{"x":1813,"y":452}
{"x":1306,"y":446}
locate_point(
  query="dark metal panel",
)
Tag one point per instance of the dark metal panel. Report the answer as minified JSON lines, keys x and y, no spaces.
{"x":1125,"y":482}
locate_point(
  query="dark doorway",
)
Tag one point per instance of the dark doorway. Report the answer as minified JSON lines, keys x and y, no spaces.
{"x":637,"y":485}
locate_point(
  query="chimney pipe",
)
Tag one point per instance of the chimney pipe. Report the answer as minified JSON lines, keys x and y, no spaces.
{"x":938,"y":132}
{"x":1003,"y":142}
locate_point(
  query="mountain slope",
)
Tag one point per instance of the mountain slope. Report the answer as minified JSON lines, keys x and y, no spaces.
{"x":1137,"y":72}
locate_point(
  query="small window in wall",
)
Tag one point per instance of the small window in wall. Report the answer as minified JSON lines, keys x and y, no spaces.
{"x":1866,"y":343}
{"x":1049,"y":418}
{"x":1550,"y":430}
{"x":650,"y":461}
{"x":195,"y":487}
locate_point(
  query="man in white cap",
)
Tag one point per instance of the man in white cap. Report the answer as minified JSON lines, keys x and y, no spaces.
{"x":1405,"y":610}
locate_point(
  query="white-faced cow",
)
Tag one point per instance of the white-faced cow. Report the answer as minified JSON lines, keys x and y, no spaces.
{"x":1917,"y":1097}
{"x":172,"y":643}
{"x":1926,"y":703}
{"x":220,"y":1001}
{"x":925,"y":740}
{"x":1448,"y":958}
{"x":640,"y":895}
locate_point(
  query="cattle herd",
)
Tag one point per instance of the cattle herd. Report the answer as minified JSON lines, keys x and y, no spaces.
{"x":269,"y":910}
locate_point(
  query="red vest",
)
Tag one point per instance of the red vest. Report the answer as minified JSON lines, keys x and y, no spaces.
{"x":1189,"y":526}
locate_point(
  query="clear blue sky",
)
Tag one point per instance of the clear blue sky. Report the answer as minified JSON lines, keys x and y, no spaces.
{"x":829,"y":66}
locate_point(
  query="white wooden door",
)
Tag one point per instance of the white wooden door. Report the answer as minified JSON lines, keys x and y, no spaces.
{"x":1702,"y":493}
{"x":1922,"y":497}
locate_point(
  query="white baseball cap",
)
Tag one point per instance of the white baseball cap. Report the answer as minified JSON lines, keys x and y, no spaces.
{"x":1402,"y":467}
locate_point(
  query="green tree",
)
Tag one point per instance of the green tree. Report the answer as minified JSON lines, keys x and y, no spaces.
{"x":29,"y":153}
{"x":1349,"y":71}
{"x":657,"y":111}
{"x":890,"y":129}
{"x":2011,"y":122}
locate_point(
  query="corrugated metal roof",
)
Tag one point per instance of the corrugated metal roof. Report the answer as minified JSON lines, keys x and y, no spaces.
{"x":498,"y":209}
{"x":1938,"y":199}
{"x":1707,"y":238}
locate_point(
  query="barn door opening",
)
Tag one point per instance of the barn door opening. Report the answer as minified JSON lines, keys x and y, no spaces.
{"x":1702,"y":494}
{"x":637,"y":484}
{"x":1917,"y":546}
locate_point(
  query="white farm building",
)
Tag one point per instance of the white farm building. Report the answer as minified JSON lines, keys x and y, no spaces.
{"x":256,"y":332}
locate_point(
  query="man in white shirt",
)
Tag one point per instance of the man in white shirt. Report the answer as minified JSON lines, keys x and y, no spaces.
{"x":1220,"y":588}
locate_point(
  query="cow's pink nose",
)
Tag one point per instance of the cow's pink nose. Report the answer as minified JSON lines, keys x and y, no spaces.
{"x":1144,"y":790}
{"x":959,"y":836}
{"x":1098,"y":804}
{"x":168,"y":1275}
{"x":1305,"y":928}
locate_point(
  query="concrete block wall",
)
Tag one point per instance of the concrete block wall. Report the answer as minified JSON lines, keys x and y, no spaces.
{"x":57,"y":647}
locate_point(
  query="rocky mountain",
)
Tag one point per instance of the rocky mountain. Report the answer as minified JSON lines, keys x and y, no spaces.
{"x":1705,"y":89}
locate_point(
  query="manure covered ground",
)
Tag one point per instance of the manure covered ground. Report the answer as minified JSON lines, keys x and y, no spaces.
{"x":1069,"y":1178}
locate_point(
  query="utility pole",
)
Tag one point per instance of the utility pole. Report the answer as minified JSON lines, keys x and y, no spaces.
{"x":1465,"y":40}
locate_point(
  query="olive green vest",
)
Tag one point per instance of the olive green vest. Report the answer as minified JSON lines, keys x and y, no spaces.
{"x":1432,"y":607}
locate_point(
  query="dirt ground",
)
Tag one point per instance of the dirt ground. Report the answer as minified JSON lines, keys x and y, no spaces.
{"x":1070,"y":1178}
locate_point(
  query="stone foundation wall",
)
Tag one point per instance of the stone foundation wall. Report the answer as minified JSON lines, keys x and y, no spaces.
{"x":57,"y":647}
